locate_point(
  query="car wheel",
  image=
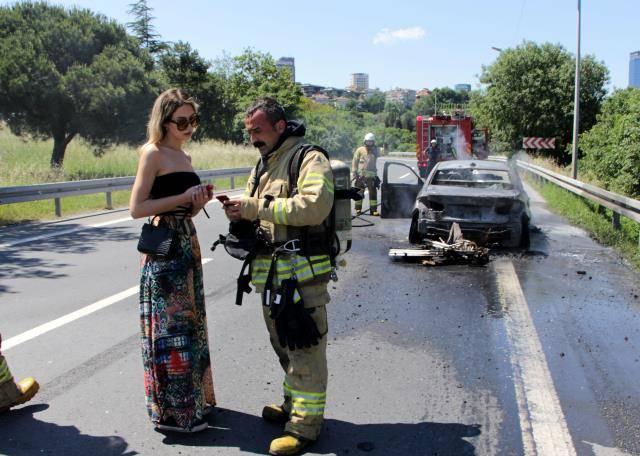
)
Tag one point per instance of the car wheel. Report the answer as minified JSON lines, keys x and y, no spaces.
{"x":525,"y":240}
{"x":414,"y":236}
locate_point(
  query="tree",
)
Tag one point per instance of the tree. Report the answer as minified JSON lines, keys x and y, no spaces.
{"x":67,"y":73}
{"x":612,"y":147}
{"x":143,"y":28}
{"x":251,"y":75}
{"x":183,"y":67}
{"x":374,"y":103}
{"x":530,"y":93}
{"x":439,"y":97}
{"x":393,"y":114}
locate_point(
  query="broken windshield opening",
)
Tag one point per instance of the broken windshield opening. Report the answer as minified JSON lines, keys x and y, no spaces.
{"x":473,"y":178}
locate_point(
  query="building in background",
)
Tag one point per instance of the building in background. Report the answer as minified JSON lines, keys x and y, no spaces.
{"x":634,"y":69}
{"x":359,"y":82}
{"x":405,"y":97}
{"x":462,"y":87}
{"x":308,"y":90}
{"x":288,"y":62}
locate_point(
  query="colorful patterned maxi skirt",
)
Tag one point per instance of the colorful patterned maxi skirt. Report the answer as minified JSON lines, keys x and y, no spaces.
{"x":178,"y":376}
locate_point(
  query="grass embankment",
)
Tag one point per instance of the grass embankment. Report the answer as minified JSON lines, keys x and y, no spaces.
{"x":597,"y":221}
{"x":26,"y":162}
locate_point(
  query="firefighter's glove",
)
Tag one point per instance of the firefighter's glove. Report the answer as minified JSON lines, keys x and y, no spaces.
{"x":376,"y":182}
{"x":294,"y":325}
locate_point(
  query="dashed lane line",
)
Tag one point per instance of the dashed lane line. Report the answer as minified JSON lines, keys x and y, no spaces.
{"x":542,"y":422}
{"x":73,"y":316}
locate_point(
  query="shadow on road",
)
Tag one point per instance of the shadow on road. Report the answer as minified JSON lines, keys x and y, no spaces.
{"x":19,"y":261}
{"x":21,"y":434}
{"x":249,"y":433}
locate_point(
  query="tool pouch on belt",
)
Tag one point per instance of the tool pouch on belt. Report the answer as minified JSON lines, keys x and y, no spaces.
{"x":294,"y":325}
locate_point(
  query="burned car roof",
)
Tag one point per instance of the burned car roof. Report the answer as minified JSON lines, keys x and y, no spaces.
{"x":512,"y":190}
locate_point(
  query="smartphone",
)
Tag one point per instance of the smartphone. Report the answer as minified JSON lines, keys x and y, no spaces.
{"x":222,"y":198}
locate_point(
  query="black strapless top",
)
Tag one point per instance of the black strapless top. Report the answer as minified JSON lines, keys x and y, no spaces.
{"x":173,"y":184}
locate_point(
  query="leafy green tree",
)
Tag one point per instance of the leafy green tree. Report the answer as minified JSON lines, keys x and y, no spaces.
{"x":183,"y":67}
{"x":612,"y":147}
{"x":334,"y":129}
{"x":438,"y":98}
{"x":374,"y":103}
{"x":530,"y":92}
{"x":251,"y":75}
{"x":393,"y":114}
{"x":142,"y":26}
{"x":67,"y":73}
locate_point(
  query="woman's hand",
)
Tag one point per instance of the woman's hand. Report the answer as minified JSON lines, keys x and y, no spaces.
{"x":199,"y":196}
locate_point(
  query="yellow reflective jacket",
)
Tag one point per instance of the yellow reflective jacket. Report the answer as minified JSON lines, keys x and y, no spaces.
{"x":364,"y":161}
{"x":310,"y":206}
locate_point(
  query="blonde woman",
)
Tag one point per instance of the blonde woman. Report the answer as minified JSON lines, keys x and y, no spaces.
{"x":175,"y":351}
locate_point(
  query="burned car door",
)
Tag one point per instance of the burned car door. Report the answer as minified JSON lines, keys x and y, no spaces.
{"x":400,"y":187}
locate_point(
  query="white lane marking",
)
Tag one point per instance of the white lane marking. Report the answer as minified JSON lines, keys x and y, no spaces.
{"x":61,"y":232}
{"x":404,"y":175}
{"x":599,"y":450}
{"x":542,"y":423}
{"x":65,"y":319}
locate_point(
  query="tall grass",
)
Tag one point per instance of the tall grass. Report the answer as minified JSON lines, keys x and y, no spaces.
{"x":26,"y":162}
{"x":595,"y":220}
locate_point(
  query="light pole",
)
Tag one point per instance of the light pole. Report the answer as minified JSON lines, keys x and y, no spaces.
{"x":496,"y":49}
{"x":576,"y":108}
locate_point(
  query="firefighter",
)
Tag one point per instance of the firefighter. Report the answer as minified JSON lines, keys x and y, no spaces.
{"x":11,"y":393}
{"x":365,"y":172}
{"x":290,"y":268}
{"x":433,"y":156}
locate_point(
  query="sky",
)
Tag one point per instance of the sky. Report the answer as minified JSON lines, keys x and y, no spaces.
{"x":401,"y":43}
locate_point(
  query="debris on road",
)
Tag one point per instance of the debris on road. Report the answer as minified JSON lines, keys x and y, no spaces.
{"x":456,"y":250}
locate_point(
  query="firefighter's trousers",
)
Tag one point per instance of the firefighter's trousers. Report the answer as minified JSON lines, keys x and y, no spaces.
{"x":305,"y":380}
{"x":370,"y":184}
{"x":8,"y":390}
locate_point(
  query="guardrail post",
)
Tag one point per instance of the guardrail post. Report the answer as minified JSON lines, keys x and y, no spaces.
{"x":615,"y":220}
{"x":58,"y":207}
{"x":109,"y":203}
{"x":232,"y":182}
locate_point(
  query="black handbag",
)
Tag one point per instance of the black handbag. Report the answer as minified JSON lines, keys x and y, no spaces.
{"x":159,"y":241}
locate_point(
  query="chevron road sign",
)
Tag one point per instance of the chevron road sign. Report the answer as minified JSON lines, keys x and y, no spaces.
{"x":532,"y":142}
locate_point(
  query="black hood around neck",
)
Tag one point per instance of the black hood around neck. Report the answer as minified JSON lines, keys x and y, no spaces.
{"x":293,"y":128}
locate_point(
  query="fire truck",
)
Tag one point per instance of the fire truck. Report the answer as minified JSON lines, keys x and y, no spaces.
{"x":455,"y":136}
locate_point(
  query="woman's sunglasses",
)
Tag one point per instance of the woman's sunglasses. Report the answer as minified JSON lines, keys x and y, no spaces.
{"x":183,"y":122}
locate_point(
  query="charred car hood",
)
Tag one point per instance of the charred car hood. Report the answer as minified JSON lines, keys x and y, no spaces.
{"x":467,"y":192}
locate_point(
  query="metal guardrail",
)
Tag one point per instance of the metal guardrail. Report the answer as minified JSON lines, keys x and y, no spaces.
{"x":619,"y":204}
{"x":58,"y":190}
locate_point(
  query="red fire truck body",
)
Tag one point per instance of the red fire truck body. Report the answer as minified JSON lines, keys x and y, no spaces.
{"x":455,"y":136}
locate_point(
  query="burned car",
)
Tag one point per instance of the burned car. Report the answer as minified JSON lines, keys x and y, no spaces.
{"x":486,"y":198}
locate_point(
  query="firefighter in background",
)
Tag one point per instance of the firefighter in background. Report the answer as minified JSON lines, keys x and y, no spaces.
{"x":11,"y":393}
{"x":290,"y":257}
{"x":364,"y":169}
{"x":433,"y":156}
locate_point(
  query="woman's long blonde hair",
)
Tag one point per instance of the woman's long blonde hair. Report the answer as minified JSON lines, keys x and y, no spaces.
{"x":163,"y":108}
